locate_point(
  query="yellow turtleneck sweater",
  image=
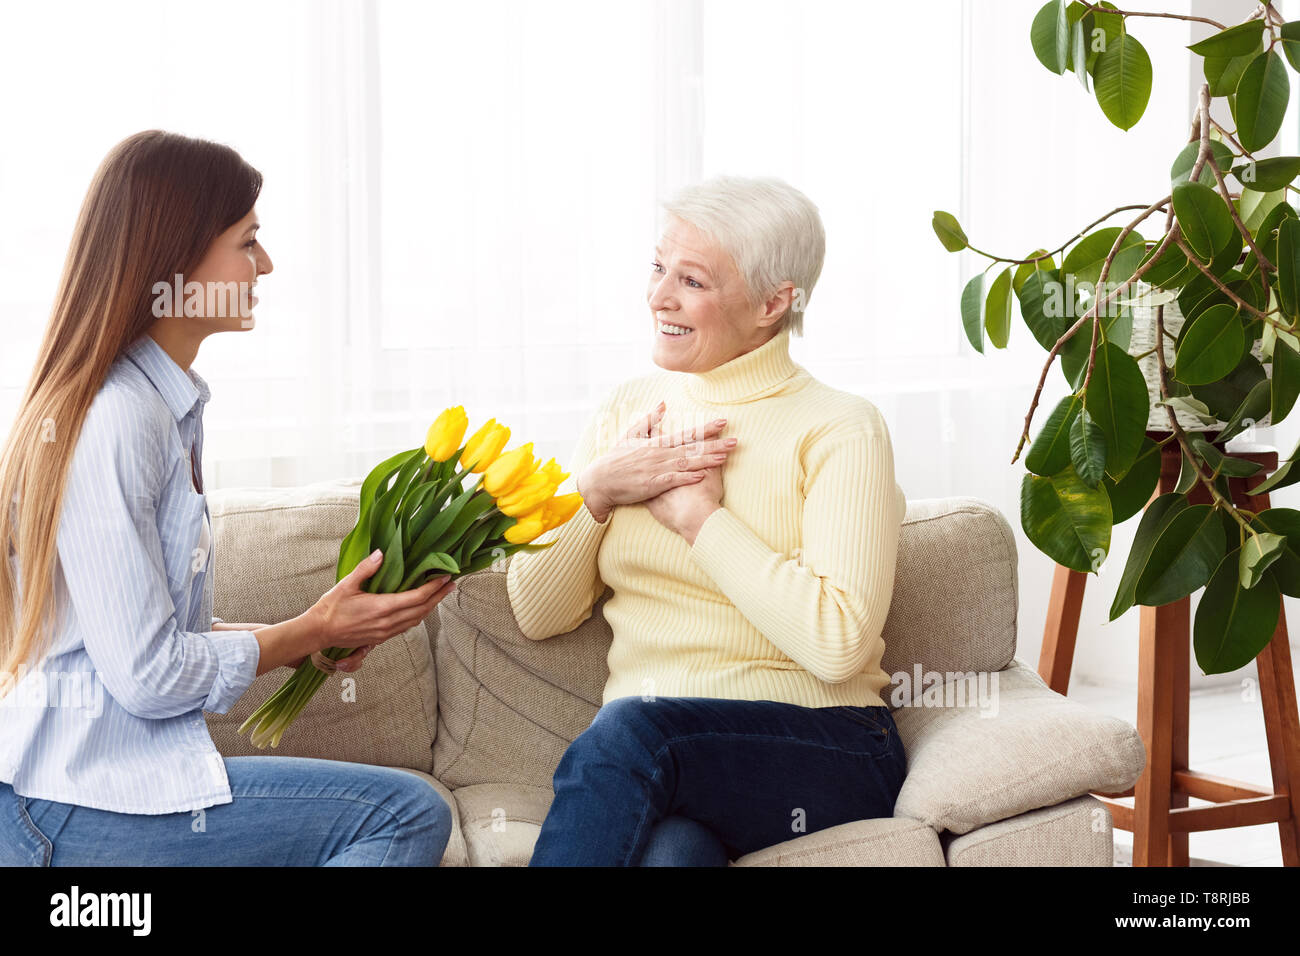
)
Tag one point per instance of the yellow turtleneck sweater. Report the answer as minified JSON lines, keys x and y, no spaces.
{"x":784,"y":593}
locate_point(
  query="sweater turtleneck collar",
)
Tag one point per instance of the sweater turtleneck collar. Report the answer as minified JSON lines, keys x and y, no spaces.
{"x":748,"y":376}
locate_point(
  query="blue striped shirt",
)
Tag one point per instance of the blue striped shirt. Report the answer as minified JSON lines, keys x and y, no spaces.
{"x":113,"y":716}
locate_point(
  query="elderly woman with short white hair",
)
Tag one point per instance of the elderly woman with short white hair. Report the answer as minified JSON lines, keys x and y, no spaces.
{"x":746,"y":517}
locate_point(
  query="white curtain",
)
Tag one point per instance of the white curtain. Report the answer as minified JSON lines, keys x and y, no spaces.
{"x":461,"y":201}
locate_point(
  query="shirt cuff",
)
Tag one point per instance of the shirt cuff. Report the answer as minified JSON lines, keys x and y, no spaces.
{"x":238,"y":654}
{"x":217,"y":620}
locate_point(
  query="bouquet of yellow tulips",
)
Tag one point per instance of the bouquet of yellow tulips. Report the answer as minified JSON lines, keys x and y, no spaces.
{"x":416,"y":509}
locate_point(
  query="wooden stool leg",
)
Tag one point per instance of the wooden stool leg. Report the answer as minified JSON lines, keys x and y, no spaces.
{"x":1157,"y":645}
{"x":1278,"y":697}
{"x":1180,"y":662}
{"x":1057,"y":653}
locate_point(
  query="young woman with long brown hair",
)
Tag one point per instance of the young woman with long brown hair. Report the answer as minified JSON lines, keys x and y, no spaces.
{"x":109,"y":652}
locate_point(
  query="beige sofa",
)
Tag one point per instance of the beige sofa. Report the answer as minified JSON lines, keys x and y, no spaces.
{"x":999,"y":775}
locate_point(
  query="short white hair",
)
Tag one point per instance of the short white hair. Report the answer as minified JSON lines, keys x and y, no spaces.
{"x":771,"y":230}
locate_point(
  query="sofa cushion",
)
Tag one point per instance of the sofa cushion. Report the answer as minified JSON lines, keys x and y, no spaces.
{"x":1074,"y":833}
{"x":510,"y":706}
{"x":979,"y":760}
{"x":956,"y":593}
{"x":454,"y":854}
{"x":882,"y":841}
{"x":274,"y":555}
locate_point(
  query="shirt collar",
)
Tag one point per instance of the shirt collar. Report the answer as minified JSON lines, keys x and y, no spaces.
{"x":180,"y":388}
{"x":752,"y":375}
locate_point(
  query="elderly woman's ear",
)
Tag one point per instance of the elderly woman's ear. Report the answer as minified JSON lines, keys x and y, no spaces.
{"x":778,"y":304}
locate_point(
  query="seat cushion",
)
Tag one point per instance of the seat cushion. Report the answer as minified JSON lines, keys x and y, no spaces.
{"x":1077,"y":832}
{"x":884,"y":841}
{"x":1012,"y":746}
{"x":275,"y":552}
{"x":501,"y":821}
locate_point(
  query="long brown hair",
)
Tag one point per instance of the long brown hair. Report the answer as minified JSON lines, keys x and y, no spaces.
{"x":156,"y":203}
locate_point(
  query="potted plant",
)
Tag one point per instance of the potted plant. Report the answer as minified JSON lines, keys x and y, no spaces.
{"x":1217,"y":285}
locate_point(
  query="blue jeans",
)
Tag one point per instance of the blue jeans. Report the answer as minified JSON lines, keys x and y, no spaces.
{"x":695,"y":780}
{"x":286,"y":811}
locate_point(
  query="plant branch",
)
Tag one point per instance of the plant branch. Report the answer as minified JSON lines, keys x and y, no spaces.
{"x":1091,"y":312}
{"x":1177,"y":429}
{"x":1241,"y":303}
{"x":1137,"y":13}
{"x":1078,"y":235}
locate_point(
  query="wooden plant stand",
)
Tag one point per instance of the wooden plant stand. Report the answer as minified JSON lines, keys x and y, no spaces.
{"x":1160,"y":817}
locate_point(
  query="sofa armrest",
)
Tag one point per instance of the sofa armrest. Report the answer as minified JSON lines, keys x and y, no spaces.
{"x":1008,"y":745}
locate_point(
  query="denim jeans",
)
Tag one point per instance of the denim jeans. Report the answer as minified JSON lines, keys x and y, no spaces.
{"x":691,"y":780}
{"x":286,"y":811}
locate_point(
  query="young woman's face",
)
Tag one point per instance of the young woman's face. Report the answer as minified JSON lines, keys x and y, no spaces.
{"x":229,"y":271}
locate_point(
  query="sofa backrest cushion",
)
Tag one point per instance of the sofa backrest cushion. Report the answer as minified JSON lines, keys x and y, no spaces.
{"x":274,"y":554}
{"x":510,"y":706}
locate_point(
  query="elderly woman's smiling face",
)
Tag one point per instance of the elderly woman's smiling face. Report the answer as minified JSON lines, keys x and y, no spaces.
{"x":699,"y":303}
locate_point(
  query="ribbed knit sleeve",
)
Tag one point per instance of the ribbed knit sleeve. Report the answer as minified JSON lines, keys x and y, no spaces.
{"x":553,"y":591}
{"x":826,"y":608}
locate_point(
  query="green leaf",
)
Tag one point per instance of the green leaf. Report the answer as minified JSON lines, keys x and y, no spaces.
{"x":1050,"y":452}
{"x":1210,"y":347}
{"x":1259,"y":551}
{"x":434,"y":561}
{"x":1123,"y":81}
{"x":1130,"y":494}
{"x":1117,"y":400}
{"x":972,"y":311}
{"x":1285,"y":380}
{"x":1234,"y":41}
{"x":1043,"y":307}
{"x":997,"y":309}
{"x":1065,"y":519}
{"x":1187,"y":474}
{"x":1252,"y":410}
{"x":1233,"y":624}
{"x":1155,"y":519}
{"x":356,"y":546}
{"x":1266,"y":234}
{"x":1185,"y":162}
{"x":1170,"y":270}
{"x":1254,"y":207}
{"x":1204,"y":218}
{"x":1260,"y":104}
{"x":1085,"y":260}
{"x":1221,"y":463}
{"x":1026,"y":269}
{"x":1049,"y":35}
{"x":1183,"y":558}
{"x":389,"y":575}
{"x":1079,"y":51}
{"x":948,"y":230}
{"x":1290,"y":34}
{"x":1225,"y":396}
{"x":1268,"y":175}
{"x":1286,"y":523}
{"x":1087,"y":449}
{"x":1223,"y":73}
{"x":1287,"y":260}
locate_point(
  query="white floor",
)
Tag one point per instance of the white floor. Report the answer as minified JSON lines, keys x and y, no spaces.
{"x":1225,"y":737}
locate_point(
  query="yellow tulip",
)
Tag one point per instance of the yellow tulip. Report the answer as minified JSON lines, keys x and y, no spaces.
{"x":526,"y":528}
{"x":528,"y":495}
{"x":483,"y":448}
{"x":560,"y":509}
{"x":504,"y":474}
{"x":445,"y":433}
{"x":553,"y":472}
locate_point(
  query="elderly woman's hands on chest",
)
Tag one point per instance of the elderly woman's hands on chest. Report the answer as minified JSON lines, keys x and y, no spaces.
{"x":684,"y":469}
